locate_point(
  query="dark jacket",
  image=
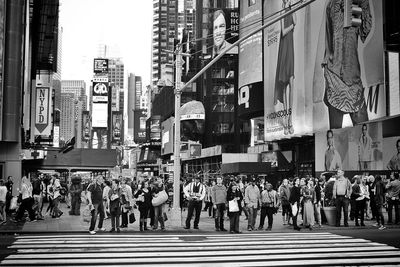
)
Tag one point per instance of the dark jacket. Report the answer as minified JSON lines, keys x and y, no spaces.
{"x":147,"y":198}
{"x":379,"y":193}
{"x":115,"y":205}
{"x":318,"y":195}
{"x":294,"y":195}
{"x":75,"y":190}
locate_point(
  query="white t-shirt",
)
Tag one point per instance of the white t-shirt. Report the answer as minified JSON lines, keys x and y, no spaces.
{"x":3,"y":193}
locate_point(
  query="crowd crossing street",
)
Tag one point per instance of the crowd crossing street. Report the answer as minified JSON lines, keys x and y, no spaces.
{"x":253,"y":249}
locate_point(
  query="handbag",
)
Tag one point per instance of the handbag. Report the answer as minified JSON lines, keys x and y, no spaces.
{"x":132,"y":218}
{"x":233,"y":206}
{"x":294,"y":209}
{"x":160,"y":198}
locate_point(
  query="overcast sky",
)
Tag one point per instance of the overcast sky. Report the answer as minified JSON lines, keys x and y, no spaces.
{"x":122,"y":23}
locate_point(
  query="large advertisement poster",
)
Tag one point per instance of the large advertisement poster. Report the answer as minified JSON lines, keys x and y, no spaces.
{"x":348,"y":67}
{"x":117,"y":127}
{"x":286,"y":107}
{"x":251,"y":91}
{"x":318,"y":74}
{"x":139,"y":129}
{"x":224,"y":29}
{"x":99,"y":115}
{"x":100,"y":92}
{"x":357,"y":148}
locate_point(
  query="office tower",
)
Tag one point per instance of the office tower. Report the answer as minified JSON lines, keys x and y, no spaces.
{"x":67,"y":118}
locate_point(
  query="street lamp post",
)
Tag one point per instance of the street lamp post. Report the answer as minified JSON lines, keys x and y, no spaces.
{"x":176,"y":209}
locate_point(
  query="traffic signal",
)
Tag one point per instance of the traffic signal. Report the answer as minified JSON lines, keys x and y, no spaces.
{"x":69,"y":145}
{"x":352,"y":14}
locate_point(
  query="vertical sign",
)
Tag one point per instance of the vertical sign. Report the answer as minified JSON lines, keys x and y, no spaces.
{"x":117,"y":129}
{"x":42,"y":111}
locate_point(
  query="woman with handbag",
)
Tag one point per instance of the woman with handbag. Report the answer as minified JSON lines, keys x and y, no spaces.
{"x":126,"y":198}
{"x":143,"y":199}
{"x":160,"y":196}
{"x":114,"y":204}
{"x":234,"y":197}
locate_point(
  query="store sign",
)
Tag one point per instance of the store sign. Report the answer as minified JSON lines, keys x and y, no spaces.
{"x":42,"y":115}
{"x":100,"y":92}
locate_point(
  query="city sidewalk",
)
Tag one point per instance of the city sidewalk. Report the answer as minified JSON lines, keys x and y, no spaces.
{"x":75,"y":224}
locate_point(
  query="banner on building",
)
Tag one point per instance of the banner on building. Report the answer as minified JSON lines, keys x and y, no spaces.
{"x":139,"y":129}
{"x":318,"y":74}
{"x":100,"y":65}
{"x":224,"y":27}
{"x":117,"y":127}
{"x":100,"y":92}
{"x":43,"y":123}
{"x":86,"y":127}
{"x":368,"y":146}
{"x":99,"y":115}
{"x":347,"y":65}
{"x":167,"y":136}
{"x":251,"y":90}
{"x":154,"y":128}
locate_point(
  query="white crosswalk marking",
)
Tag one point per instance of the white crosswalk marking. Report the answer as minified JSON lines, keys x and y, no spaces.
{"x":267,"y":249}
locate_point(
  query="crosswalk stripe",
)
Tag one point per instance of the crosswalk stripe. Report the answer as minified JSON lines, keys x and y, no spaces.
{"x":199,"y":250}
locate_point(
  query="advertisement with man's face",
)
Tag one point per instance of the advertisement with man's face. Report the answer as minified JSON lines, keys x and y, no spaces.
{"x":224,"y":26}
{"x":318,"y":74}
{"x":358,"y":148}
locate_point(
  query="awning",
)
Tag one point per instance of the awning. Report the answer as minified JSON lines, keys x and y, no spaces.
{"x":246,"y":167}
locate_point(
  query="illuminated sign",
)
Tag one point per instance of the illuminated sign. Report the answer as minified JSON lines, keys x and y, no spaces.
{"x":42,"y":111}
{"x":100,"y":65}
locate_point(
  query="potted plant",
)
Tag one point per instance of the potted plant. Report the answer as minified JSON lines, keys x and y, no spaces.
{"x":329,"y":206}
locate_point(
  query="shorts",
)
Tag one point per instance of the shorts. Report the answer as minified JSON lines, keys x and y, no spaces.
{"x":286,"y":209}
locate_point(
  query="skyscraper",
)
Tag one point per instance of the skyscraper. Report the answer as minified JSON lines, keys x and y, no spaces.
{"x":116,"y":74}
{"x":67,"y":118}
{"x":134,"y":94}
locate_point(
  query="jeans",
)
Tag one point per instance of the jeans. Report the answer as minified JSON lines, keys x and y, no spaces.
{"x":26,"y":204}
{"x":56,"y":210}
{"x":379,"y":217}
{"x":219,"y":216}
{"x":158,"y":217}
{"x":360,"y":210}
{"x":393,"y":204}
{"x":98,"y":209}
{"x":266,"y":212}
{"x":115,"y":219}
{"x":38,"y":200}
{"x":234,"y":221}
{"x":342,"y":202}
{"x":252,"y":217}
{"x":317,"y":212}
{"x":75,"y":205}
{"x":193,"y":206}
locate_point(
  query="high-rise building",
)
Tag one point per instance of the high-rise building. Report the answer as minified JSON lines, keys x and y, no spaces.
{"x":134,"y":94}
{"x":116,"y":75}
{"x":67,"y":117}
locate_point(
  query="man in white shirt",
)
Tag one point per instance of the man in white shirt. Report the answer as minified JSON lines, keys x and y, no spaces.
{"x":3,"y":194}
{"x":195,"y":193}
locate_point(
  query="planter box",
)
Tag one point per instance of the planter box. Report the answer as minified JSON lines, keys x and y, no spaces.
{"x":330,"y":214}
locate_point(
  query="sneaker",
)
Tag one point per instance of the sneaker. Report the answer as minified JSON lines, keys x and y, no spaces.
{"x":118,"y":230}
{"x":112,"y":230}
{"x":376,"y":225}
{"x":101,"y":229}
{"x":382,"y":227}
{"x":196,"y":227}
{"x":249,"y":228}
{"x":223,"y":230}
{"x":187,"y":228}
{"x":92,"y":232}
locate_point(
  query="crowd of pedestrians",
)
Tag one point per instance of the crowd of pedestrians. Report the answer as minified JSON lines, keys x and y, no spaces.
{"x":300,"y":201}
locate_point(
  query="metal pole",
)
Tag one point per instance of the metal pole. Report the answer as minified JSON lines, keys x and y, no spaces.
{"x":296,"y":7}
{"x":176,"y":210}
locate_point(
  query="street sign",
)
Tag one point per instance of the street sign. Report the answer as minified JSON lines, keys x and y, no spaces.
{"x":42,"y":114}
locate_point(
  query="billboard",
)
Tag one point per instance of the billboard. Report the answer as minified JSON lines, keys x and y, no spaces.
{"x":167,"y":136}
{"x":43,"y":123}
{"x":99,"y":138}
{"x":224,"y":26}
{"x":154,"y":128}
{"x":100,"y":65}
{"x":251,"y":90}
{"x":86,"y":127}
{"x":117,"y":127}
{"x":319,"y":75}
{"x":100,"y":92}
{"x":347,"y":65}
{"x":99,"y":115}
{"x":139,"y":126}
